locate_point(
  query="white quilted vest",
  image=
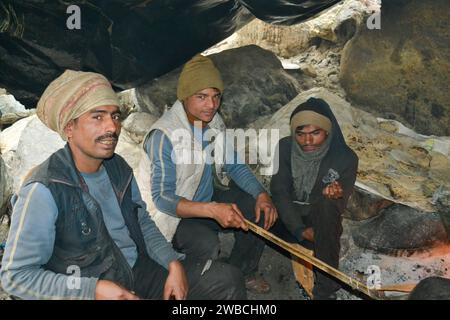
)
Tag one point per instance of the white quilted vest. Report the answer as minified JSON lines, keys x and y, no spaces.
{"x":188,"y":175}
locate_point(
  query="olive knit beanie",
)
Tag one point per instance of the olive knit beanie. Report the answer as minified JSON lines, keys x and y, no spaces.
{"x":198,"y":73}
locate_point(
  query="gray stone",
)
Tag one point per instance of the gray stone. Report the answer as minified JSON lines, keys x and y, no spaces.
{"x":128,"y":101}
{"x":129,"y":149}
{"x":11,"y":110}
{"x":364,"y":205}
{"x":308,"y":70}
{"x":402,"y":68}
{"x":24,"y":145}
{"x":432,"y":288}
{"x":441,"y":198}
{"x":8,"y":104}
{"x":137,"y":124}
{"x":334,"y":79}
{"x":400,"y":228}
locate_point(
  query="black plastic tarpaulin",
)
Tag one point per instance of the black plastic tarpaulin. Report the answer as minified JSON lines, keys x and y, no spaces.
{"x":129,"y":41}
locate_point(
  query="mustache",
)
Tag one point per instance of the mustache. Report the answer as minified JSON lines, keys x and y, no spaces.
{"x":108,"y":136}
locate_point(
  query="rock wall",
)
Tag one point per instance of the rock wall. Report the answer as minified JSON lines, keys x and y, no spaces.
{"x":399,"y":72}
{"x":402,"y":70}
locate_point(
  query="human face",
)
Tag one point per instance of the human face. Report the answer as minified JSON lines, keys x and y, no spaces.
{"x":310,"y":137}
{"x":93,"y":137}
{"x":202,"y":105}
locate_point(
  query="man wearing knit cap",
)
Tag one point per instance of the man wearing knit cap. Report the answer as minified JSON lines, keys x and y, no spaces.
{"x":317,"y":172}
{"x":80,"y":229}
{"x":194,"y":199}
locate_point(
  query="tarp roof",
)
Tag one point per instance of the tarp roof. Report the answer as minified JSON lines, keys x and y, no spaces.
{"x":129,"y":41}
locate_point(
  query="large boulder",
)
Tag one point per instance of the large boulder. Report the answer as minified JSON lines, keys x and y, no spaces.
{"x":403,"y":270}
{"x":401,"y":70}
{"x":401,"y":228}
{"x":255,"y":86}
{"x":441,"y":199}
{"x":392,"y":165}
{"x":432,"y":288}
{"x":364,"y":205}
{"x":8,"y":104}
{"x":11,"y":110}
{"x":24,"y":145}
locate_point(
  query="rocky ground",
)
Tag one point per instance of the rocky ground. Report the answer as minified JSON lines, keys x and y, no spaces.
{"x":406,"y":268}
{"x":275,"y":267}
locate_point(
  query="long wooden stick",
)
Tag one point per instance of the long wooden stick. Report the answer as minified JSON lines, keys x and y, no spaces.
{"x":304,"y":255}
{"x":399,"y":287}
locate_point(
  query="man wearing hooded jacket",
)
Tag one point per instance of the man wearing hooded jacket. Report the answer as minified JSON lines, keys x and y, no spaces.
{"x":316,"y":176}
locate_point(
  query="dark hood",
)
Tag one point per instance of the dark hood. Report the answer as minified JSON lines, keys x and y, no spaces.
{"x":321,"y":107}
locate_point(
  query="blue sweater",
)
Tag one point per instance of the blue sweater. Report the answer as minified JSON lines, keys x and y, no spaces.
{"x":32,"y":235}
{"x":163,"y":179}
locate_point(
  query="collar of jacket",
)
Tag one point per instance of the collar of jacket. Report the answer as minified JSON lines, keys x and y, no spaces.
{"x":64,"y":171}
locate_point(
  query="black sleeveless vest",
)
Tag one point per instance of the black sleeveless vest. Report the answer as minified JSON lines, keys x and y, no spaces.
{"x":82,"y":239}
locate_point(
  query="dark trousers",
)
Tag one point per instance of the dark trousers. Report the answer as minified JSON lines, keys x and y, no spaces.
{"x":326,"y":221}
{"x":198,"y":237}
{"x":220,"y":282}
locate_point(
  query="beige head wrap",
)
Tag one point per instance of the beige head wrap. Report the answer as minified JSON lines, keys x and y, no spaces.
{"x":71,"y":95}
{"x":308,"y":117}
{"x":199,"y":73}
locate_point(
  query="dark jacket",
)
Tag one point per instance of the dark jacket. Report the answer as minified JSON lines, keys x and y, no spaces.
{"x":339,"y":157}
{"x":81,"y":237}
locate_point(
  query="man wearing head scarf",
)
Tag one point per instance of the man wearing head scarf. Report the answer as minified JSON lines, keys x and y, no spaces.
{"x":317,"y":172}
{"x":193,"y":197}
{"x":80,"y":229}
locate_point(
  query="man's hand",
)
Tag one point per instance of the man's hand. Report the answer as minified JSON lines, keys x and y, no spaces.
{"x":176,"y":285}
{"x":264,"y":203}
{"x":228,"y":215}
{"x":108,"y":290}
{"x":333,"y":191}
{"x":308,"y":234}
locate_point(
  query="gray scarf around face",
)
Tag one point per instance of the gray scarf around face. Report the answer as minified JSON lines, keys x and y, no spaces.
{"x":305,"y":167}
